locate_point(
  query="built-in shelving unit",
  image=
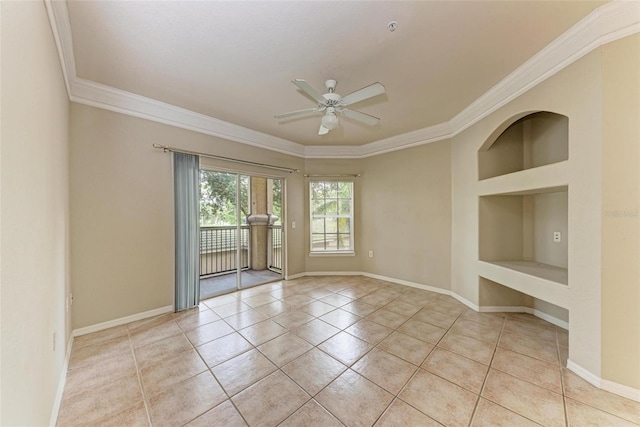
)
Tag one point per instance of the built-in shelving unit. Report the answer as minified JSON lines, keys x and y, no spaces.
{"x":523,"y":192}
{"x":535,"y":140}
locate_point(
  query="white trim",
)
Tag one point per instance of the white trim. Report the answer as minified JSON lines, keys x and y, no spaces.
{"x":407,"y":283}
{"x":333,"y":273}
{"x":521,"y":309}
{"x":503,"y":309}
{"x":422,"y":136}
{"x":583,"y":373}
{"x":610,"y":22}
{"x":295,"y":276}
{"x":606,"y":385}
{"x":551,"y":319}
{"x":58,"y":19}
{"x":620,"y":390}
{"x":465,"y":301}
{"x":108,"y":98}
{"x":61,"y":383}
{"x":122,"y":321}
{"x":607,"y":23}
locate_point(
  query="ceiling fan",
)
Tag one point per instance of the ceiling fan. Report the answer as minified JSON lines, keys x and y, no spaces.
{"x":331,"y":104}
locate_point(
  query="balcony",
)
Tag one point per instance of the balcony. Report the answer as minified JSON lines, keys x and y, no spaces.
{"x":220,"y":253}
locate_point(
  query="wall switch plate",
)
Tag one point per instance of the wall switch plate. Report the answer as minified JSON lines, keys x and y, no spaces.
{"x":370,"y":254}
{"x":293,"y":224}
{"x":557,"y":236}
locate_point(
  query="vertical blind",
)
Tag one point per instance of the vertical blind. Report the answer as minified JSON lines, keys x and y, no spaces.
{"x":186,"y":187}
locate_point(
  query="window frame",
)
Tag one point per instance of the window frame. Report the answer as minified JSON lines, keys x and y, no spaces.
{"x":331,"y":252}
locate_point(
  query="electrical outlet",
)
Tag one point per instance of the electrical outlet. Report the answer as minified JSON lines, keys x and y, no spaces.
{"x":557,"y":236}
{"x":370,"y":254}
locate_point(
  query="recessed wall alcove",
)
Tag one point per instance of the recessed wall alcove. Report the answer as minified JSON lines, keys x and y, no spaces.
{"x":523,"y":203}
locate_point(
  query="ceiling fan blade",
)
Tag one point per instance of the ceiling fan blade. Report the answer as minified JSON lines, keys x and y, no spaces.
{"x":296,"y":113}
{"x":362,"y":94}
{"x":306,"y":88}
{"x":323,"y":130}
{"x":361,"y":117}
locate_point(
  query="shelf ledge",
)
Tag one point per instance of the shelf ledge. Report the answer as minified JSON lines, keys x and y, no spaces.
{"x":543,"y":179}
{"x":538,"y":280}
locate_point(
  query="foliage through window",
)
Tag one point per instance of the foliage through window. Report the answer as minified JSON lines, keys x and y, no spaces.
{"x":218,"y":198}
{"x":331,"y":216}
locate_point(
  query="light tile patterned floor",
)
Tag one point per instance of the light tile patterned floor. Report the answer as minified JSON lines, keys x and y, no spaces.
{"x":325,"y":351}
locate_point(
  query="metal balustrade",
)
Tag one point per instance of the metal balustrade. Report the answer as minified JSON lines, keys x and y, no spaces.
{"x":218,"y":247}
{"x":274,"y":251}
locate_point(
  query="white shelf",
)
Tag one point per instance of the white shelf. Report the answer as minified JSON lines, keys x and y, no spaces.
{"x":543,"y":179}
{"x":541,"y":281}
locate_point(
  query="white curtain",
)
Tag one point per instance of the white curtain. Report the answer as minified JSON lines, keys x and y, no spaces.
{"x":186,"y":187}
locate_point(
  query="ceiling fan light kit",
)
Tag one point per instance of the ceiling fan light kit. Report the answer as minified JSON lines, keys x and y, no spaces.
{"x":330,"y":120}
{"x":332,"y":103}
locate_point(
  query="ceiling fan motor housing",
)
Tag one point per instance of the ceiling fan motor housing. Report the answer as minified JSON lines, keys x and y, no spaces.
{"x":332,"y":98}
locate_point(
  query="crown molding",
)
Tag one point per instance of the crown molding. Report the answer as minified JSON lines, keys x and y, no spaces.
{"x":610,"y":22}
{"x":61,"y":29}
{"x":109,"y":98}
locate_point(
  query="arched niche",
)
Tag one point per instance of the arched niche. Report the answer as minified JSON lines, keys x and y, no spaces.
{"x":525,"y":141}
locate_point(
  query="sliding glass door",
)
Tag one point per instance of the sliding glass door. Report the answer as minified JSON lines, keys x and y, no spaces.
{"x":240,"y":231}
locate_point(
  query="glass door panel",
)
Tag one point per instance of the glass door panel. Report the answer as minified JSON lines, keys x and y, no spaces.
{"x":240,"y":231}
{"x":265,"y":224}
{"x":218,"y":233}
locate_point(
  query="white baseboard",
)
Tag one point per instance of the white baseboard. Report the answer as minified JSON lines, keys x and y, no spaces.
{"x":549,"y":318}
{"x":61,"y":383}
{"x":465,"y":301}
{"x":407,"y":283}
{"x":503,"y":309}
{"x":294,"y":276}
{"x":122,"y":321}
{"x":521,"y":309}
{"x":584,"y":374}
{"x":621,"y":390}
{"x":334,"y":273}
{"x":606,"y":385}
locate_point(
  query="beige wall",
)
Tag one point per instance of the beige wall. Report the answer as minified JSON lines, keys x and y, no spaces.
{"x":550,"y":213}
{"x":35,"y":217}
{"x":600,"y":94}
{"x":406,"y":214}
{"x":621,"y":210}
{"x":576,"y":93}
{"x":122,"y":210}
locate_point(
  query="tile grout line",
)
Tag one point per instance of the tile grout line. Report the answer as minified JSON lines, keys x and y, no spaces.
{"x":484,"y":382}
{"x":139,"y":376}
{"x":564,"y":397}
{"x":393,"y":330}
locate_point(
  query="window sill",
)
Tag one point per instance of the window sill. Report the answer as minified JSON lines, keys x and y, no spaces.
{"x":325,"y":254}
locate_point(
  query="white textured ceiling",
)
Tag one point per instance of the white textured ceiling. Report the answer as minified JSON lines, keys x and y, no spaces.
{"x":234,"y":60}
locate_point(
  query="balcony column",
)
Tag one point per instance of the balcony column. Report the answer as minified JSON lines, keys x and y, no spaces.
{"x":258,"y":221}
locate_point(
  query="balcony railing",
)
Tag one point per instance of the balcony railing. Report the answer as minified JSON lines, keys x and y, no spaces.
{"x":274,"y":251}
{"x":218,"y":247}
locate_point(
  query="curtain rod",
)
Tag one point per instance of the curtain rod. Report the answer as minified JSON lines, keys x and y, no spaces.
{"x":166,"y":148}
{"x":351,"y":175}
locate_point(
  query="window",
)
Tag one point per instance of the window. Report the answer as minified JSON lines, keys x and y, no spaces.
{"x":331,"y":216}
